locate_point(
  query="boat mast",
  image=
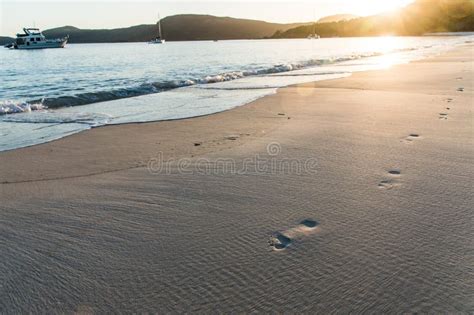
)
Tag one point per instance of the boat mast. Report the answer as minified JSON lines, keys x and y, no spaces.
{"x":159,"y":27}
{"x":314,"y":24}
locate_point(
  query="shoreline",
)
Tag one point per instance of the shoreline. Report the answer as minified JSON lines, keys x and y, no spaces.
{"x":382,"y":223}
{"x":190,"y":101}
{"x":261,"y":106}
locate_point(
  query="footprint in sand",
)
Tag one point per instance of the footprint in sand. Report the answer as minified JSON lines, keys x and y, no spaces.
{"x":386,"y":184}
{"x":236,"y":136}
{"x":281,"y":240}
{"x":392,"y":182}
{"x":443,"y":116}
{"x":395,"y":172}
{"x":310,"y":224}
{"x":232,"y":137}
{"x":411,"y":137}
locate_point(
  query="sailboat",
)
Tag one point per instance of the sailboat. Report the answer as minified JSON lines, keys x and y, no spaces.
{"x":314,"y":35}
{"x":159,"y":39}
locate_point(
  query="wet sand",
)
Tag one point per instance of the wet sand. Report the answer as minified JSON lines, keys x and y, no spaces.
{"x":350,"y":195}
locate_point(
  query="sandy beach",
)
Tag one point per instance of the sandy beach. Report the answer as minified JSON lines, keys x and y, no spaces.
{"x":348,"y":195}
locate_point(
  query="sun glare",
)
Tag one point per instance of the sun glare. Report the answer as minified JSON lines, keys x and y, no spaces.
{"x":378,"y":6}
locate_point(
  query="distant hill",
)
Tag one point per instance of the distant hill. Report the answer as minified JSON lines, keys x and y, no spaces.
{"x":337,"y":18}
{"x":137,"y":33}
{"x":176,"y":28}
{"x":418,"y":18}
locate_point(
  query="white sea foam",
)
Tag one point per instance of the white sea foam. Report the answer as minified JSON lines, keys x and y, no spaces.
{"x":12,"y":107}
{"x":60,"y":117}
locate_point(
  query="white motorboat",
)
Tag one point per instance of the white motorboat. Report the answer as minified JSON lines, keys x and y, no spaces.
{"x":32,"y":38}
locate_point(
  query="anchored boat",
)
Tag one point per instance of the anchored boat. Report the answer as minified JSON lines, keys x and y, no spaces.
{"x":314,"y":36}
{"x":159,"y":39}
{"x":32,"y":38}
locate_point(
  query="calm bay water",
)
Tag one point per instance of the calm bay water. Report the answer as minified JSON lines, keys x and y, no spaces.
{"x":135,"y":82}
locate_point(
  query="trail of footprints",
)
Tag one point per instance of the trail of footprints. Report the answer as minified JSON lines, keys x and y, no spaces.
{"x":282,"y":240}
{"x":445,"y":115}
{"x":392,"y":178}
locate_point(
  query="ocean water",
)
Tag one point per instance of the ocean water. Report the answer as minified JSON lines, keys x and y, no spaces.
{"x":49,"y":94}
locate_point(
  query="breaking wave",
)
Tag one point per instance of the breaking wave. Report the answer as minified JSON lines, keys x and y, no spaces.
{"x":157,"y":87}
{"x":12,"y":107}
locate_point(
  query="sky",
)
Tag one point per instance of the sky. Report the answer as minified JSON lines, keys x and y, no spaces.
{"x":16,"y":14}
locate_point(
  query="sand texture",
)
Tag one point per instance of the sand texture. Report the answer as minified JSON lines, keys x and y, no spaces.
{"x":351,"y":195}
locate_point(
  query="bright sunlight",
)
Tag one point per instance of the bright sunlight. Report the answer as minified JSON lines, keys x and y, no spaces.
{"x":371,"y":6}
